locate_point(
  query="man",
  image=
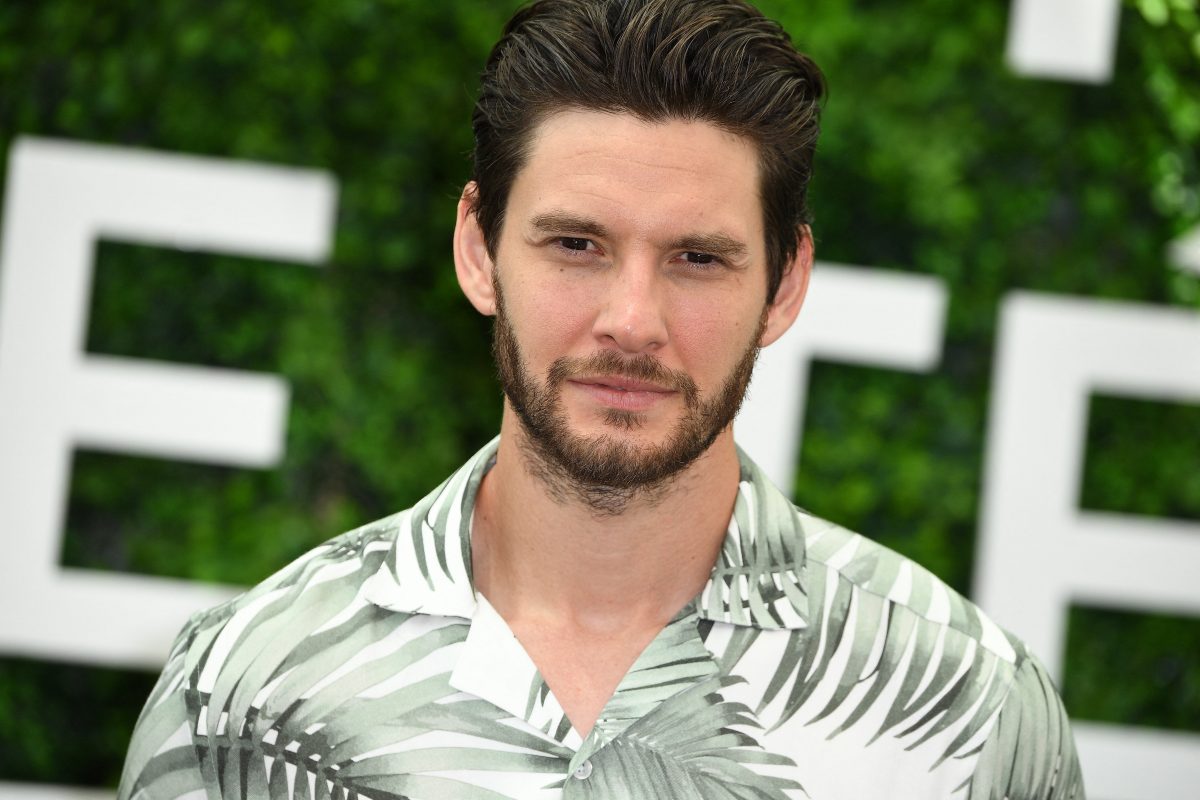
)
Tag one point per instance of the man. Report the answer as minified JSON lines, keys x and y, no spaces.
{"x":611,"y":600}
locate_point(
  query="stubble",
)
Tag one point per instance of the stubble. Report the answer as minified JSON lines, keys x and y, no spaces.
{"x":607,"y":472}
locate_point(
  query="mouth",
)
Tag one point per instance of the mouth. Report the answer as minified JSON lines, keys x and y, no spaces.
{"x":626,"y":394}
{"x":618,"y":383}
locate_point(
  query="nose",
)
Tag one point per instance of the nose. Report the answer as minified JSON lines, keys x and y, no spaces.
{"x":633,"y":315}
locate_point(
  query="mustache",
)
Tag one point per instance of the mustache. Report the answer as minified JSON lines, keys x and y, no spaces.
{"x":641,"y":367}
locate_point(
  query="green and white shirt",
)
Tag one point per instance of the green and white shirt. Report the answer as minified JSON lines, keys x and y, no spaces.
{"x":814,"y":664}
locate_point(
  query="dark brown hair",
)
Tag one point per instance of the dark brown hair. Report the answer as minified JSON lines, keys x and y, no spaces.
{"x":719,"y":61}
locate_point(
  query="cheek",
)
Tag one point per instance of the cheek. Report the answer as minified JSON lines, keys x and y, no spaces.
{"x":552,"y":319}
{"x":710,"y":337}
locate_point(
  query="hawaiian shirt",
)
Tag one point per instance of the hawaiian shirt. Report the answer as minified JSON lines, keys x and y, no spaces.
{"x":814,"y":664}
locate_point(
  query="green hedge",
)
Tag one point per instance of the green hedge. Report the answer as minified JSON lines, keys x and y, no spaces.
{"x":935,"y":159}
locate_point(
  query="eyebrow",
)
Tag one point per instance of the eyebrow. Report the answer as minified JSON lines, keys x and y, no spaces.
{"x":562,"y":222}
{"x":718,"y":244}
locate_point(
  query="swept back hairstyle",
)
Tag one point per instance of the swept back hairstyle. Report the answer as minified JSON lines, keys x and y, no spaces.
{"x":718,"y":61}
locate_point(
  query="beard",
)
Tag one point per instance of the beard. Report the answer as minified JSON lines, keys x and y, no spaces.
{"x":608,"y":470}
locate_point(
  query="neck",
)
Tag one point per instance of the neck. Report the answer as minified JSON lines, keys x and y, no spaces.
{"x":555,"y":558}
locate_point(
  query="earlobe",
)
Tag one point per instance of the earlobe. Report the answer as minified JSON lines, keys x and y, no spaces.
{"x":472,"y":262}
{"x":792,"y":288}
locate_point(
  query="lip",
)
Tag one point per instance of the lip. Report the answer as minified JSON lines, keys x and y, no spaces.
{"x":626,"y":394}
{"x":622,"y":383}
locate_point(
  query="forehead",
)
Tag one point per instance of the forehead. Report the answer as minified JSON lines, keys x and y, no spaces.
{"x":663,"y":176}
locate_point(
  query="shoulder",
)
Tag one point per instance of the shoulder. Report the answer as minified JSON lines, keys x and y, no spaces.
{"x":857,"y":566}
{"x":296,"y":626}
{"x":1030,"y":752}
{"x":965,"y":688}
{"x":341,"y":563}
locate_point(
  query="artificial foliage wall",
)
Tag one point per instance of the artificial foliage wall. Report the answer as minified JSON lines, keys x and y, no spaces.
{"x":934,"y":159}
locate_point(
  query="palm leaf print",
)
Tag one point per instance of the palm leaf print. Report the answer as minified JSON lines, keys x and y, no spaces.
{"x":674,"y":661}
{"x":942,"y":677}
{"x":1005,"y":769}
{"x":299,"y":690}
{"x":696,"y":745}
{"x":370,"y":669}
{"x":756,"y":578}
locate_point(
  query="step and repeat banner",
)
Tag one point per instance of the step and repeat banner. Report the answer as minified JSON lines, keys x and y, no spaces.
{"x":230,"y":329}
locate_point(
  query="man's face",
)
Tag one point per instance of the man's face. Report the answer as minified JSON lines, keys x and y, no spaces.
{"x":631,"y":284}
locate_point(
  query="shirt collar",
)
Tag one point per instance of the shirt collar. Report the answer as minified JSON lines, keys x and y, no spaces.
{"x":755,"y":582}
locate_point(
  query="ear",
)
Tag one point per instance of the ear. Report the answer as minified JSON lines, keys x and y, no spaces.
{"x":786,"y":306}
{"x":472,"y":263}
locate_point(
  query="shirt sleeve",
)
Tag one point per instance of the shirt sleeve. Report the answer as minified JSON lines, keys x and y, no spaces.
{"x":1030,"y":754}
{"x":162,"y":762}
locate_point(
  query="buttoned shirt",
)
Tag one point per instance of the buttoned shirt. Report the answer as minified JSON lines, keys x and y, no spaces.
{"x":814,"y":664}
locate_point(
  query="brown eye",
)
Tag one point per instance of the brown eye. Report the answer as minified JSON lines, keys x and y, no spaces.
{"x":700,"y":258}
{"x":573,"y":243}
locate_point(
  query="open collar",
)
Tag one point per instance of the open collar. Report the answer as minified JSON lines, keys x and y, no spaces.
{"x":755,"y":582}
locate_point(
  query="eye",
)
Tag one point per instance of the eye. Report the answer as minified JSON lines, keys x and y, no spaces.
{"x":698,"y":261}
{"x":574,"y":243}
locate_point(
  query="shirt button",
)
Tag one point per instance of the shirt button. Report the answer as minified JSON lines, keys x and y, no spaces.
{"x":583,"y":771}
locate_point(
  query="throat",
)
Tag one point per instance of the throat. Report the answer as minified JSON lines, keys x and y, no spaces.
{"x":583,"y":670}
{"x":585,"y":595}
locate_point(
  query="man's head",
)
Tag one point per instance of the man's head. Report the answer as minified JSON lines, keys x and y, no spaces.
{"x":717,"y":61}
{"x":637,"y":225}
